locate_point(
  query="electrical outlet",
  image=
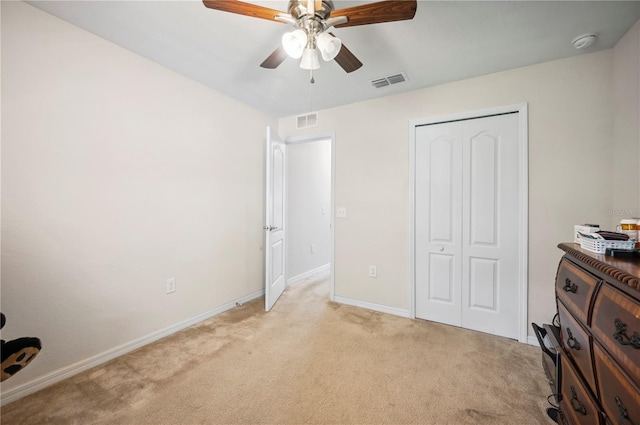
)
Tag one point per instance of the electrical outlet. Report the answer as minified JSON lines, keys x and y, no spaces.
{"x":313,"y":248}
{"x":341,"y":212}
{"x":171,"y":285}
{"x":373,"y":272}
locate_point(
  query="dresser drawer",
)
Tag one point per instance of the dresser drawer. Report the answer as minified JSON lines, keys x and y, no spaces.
{"x":620,"y":397}
{"x":575,"y":341}
{"x":562,"y":419}
{"x":616,"y":323}
{"x":575,"y":287}
{"x":577,"y":402}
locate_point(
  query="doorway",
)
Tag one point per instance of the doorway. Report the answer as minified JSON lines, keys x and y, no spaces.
{"x":469,"y":220}
{"x":309,"y":207}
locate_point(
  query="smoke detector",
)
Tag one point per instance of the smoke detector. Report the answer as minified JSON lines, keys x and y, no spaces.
{"x":584,"y":40}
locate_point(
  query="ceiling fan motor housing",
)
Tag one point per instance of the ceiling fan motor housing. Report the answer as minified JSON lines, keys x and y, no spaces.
{"x":298,"y":9}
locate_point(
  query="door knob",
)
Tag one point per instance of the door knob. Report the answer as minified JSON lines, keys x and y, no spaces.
{"x":441,"y":248}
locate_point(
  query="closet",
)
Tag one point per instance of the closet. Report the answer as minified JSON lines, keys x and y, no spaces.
{"x":468,"y":223}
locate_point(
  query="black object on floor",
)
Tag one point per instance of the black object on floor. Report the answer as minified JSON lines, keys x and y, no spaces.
{"x":553,"y":414}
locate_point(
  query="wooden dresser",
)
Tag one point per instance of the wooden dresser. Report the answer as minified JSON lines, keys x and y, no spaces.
{"x":598,"y":300}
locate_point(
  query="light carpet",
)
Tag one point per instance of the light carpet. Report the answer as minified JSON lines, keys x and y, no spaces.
{"x":308,"y":361}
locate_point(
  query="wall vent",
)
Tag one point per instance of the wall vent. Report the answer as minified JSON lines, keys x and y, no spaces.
{"x":307,"y":120}
{"x":391,"y":79}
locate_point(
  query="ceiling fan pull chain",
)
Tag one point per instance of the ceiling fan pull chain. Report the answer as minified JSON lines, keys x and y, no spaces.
{"x":311,"y":75}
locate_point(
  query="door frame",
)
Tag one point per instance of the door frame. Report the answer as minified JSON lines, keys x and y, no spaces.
{"x":317,"y":137}
{"x":523,"y":202}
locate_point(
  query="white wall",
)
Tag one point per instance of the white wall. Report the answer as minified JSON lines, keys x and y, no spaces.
{"x":570,"y":126}
{"x":117,"y":174}
{"x":626,"y":126}
{"x":308,"y":206}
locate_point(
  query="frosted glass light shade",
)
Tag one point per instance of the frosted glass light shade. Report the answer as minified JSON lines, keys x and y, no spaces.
{"x":329,"y":46}
{"x":294,"y":43}
{"x":310,"y":59}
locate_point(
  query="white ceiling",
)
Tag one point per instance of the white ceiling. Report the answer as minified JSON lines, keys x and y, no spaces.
{"x":446,"y":41}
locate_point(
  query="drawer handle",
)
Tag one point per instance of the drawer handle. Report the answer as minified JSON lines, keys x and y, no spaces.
{"x":624,"y":415}
{"x":575,"y":403}
{"x":570,"y":286}
{"x":621,"y":335}
{"x":572,"y":342}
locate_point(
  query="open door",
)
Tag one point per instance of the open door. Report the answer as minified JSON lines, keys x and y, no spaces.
{"x":274,"y":219}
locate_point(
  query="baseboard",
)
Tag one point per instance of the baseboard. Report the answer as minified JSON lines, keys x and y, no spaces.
{"x":83,"y":365}
{"x":375,"y":307}
{"x":532,"y":340}
{"x":318,"y":270}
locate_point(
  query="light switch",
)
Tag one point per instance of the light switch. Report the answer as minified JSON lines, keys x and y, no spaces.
{"x":341,"y":212}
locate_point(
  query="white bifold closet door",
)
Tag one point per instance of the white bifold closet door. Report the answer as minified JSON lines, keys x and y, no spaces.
{"x":466,"y":223}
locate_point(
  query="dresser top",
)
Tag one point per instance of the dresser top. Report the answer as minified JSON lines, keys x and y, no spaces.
{"x":625,"y":270}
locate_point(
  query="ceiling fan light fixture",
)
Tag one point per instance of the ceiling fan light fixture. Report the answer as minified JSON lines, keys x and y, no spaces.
{"x":329,"y":46}
{"x":310,"y":59}
{"x":294,"y":43}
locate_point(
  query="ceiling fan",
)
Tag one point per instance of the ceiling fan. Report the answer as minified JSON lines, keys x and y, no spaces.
{"x":313,"y":20}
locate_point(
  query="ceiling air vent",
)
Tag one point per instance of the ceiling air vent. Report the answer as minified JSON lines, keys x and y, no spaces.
{"x":380,"y":82}
{"x":307,"y":120}
{"x":391,"y":79}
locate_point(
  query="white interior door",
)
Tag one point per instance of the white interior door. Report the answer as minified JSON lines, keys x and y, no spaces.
{"x":438,"y":218}
{"x":466,"y":223}
{"x":490,"y":221}
{"x":274,"y":219}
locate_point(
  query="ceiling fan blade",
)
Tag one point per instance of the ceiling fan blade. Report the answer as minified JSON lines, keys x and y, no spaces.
{"x":242,"y":8}
{"x":375,"y":13}
{"x":347,"y":60}
{"x":275,"y":59}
